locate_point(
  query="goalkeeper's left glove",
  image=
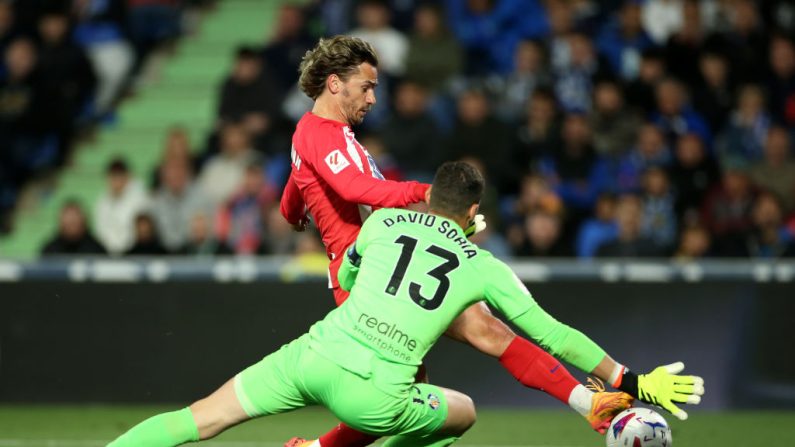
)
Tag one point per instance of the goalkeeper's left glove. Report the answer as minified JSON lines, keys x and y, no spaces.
{"x":663,"y":387}
{"x":477,"y":225}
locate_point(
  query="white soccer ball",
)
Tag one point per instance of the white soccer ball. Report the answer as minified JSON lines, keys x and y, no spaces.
{"x":638,"y":427}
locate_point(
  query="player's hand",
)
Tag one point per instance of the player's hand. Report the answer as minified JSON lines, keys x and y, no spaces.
{"x":664,"y":387}
{"x":301,"y":225}
{"x":477,"y":225}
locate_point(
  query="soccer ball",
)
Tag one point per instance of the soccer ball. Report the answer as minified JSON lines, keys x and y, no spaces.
{"x":638,"y":427}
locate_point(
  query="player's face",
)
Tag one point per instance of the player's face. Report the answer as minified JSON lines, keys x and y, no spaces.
{"x":358,"y":93}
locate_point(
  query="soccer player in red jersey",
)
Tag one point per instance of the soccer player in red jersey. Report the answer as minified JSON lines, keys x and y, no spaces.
{"x":335,"y":180}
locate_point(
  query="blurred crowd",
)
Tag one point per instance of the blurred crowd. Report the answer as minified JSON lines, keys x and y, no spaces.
{"x":639,"y":128}
{"x":63,"y":66}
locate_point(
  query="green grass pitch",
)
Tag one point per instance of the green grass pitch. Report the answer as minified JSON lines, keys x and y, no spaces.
{"x":94,"y":426}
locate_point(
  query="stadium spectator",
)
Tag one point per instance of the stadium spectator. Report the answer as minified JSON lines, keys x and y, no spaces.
{"x":535,"y":193}
{"x":223,"y":173}
{"x":614,"y":126}
{"x":152,"y":23}
{"x":175,"y":203}
{"x":640,"y":93}
{"x":280,"y":237}
{"x":650,"y":150}
{"x":434,"y":57}
{"x":622,"y":40}
{"x":692,"y":175}
{"x":727,"y":210}
{"x":686,"y":44}
{"x":201,"y":242}
{"x":744,"y":137}
{"x":713,"y":96}
{"x":575,"y":171}
{"x":7,"y":29}
{"x":241,"y":221}
{"x":116,"y":209}
{"x":391,"y":45}
{"x":599,"y":229}
{"x":768,"y":239}
{"x":176,"y":149}
{"x":694,"y":244}
{"x":629,"y":243}
{"x":147,"y":240}
{"x":516,"y":88}
{"x":488,"y":31}
{"x":73,"y":237}
{"x":662,"y":18}
{"x":287,"y":46}
{"x":67,"y":76}
{"x":249,"y":97}
{"x":478,"y":134}
{"x":658,"y":220}
{"x":674,"y":115}
{"x":23,"y":147}
{"x":540,"y":133}
{"x":776,"y":172}
{"x":574,"y":81}
{"x":781,"y":83}
{"x":780,"y":15}
{"x":410,"y":134}
{"x":543,"y":236}
{"x":98,"y":29}
{"x":560,"y":18}
{"x":746,"y":40}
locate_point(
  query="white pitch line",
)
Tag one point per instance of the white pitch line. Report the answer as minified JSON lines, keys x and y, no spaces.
{"x":98,"y":443}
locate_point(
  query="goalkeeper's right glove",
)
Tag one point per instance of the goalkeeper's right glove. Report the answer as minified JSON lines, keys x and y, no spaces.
{"x":663,"y":387}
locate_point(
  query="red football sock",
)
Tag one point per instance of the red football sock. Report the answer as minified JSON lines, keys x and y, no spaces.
{"x":344,"y":436}
{"x":535,"y":368}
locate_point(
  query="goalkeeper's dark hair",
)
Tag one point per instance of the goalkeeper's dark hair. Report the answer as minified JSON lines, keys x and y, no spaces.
{"x":457,"y":186}
{"x":339,"y":55}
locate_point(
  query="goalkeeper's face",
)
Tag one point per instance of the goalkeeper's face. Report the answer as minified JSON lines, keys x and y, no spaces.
{"x":358,"y":93}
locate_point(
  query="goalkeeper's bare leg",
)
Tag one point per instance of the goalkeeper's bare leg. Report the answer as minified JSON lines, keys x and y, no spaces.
{"x":204,"y":419}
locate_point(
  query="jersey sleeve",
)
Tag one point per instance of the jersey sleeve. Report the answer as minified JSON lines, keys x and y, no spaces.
{"x":335,"y":166}
{"x":506,"y":292}
{"x":349,"y":269}
{"x":292,"y":205}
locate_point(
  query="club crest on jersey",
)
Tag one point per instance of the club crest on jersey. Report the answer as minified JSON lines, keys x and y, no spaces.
{"x":433,"y":401}
{"x":336,"y":161}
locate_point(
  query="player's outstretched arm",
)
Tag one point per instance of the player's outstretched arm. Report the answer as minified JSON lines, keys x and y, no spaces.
{"x":662,"y":387}
{"x":343,"y":174}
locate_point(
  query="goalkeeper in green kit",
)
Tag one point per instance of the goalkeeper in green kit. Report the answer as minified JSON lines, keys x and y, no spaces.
{"x":410,"y":275}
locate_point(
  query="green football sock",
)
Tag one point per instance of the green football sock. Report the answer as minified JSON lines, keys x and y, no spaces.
{"x":420,"y":441}
{"x":163,"y":430}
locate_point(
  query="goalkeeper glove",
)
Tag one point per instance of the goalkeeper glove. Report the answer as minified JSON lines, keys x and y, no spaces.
{"x":664,"y":387}
{"x":477,"y":225}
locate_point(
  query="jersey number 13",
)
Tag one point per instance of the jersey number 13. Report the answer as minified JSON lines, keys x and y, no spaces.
{"x":439,"y":273}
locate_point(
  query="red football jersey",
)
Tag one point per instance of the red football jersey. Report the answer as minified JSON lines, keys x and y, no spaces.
{"x":335,"y":179}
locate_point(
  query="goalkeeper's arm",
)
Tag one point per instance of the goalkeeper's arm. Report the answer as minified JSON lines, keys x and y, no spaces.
{"x":349,"y":269}
{"x":662,"y":387}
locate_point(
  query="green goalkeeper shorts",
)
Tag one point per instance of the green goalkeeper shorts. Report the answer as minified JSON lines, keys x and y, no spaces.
{"x":296,"y":376}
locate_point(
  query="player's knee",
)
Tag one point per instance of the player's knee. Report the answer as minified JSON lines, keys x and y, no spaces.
{"x":470,"y":413}
{"x":461,"y":412}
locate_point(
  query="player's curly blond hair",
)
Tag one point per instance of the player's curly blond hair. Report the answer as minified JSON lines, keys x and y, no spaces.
{"x":340,"y":55}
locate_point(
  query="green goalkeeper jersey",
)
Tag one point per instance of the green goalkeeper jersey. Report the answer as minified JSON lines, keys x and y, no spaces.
{"x":410,"y":275}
